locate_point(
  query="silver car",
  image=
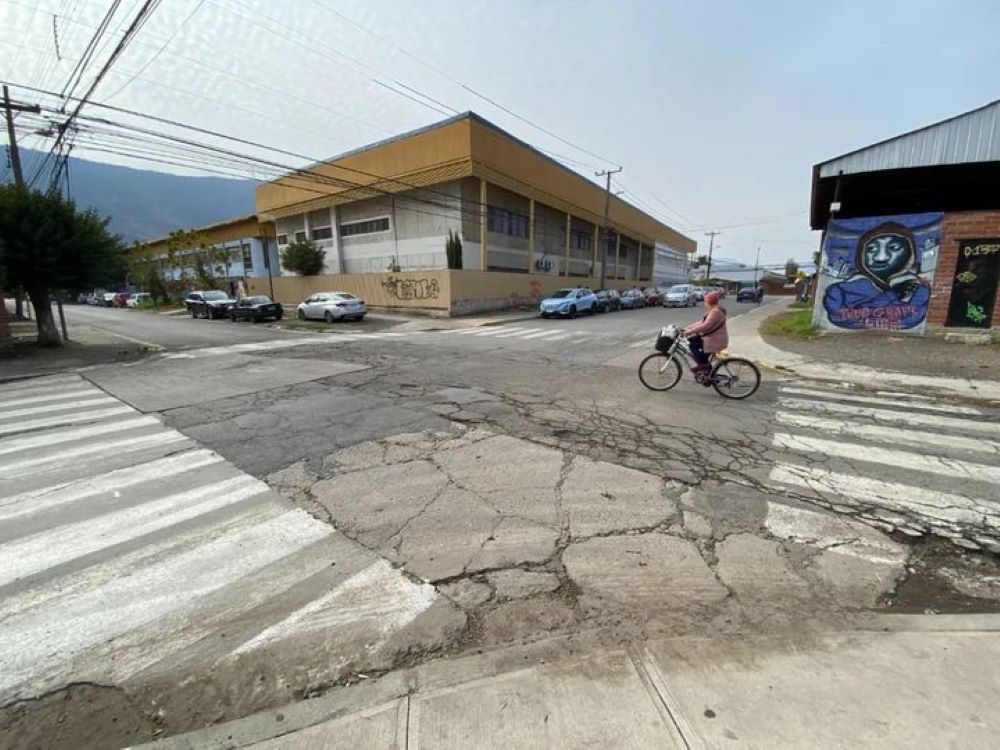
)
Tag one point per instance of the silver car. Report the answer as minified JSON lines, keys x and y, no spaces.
{"x":331,"y":306}
{"x":679,"y":295}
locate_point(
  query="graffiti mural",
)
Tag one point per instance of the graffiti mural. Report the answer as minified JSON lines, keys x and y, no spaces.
{"x":974,"y":290}
{"x":876,"y":272}
{"x":411,"y":289}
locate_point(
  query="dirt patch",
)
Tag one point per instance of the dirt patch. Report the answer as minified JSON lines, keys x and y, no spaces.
{"x":945,"y":579}
{"x":80,"y":715}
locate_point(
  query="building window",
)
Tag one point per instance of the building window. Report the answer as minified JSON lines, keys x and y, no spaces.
{"x":579,"y":240}
{"x":282,"y":239}
{"x":247,"y":258}
{"x":300,"y":236}
{"x":322,"y":233}
{"x":369,"y":226}
{"x":502,"y":221}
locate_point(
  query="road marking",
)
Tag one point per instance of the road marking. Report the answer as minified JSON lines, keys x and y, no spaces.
{"x":877,"y":492}
{"x":543,"y":333}
{"x":66,"y":436}
{"x":555,"y":337}
{"x":39,"y":640}
{"x":18,"y":396}
{"x":379,"y":595}
{"x":38,"y":552}
{"x":29,"y":503}
{"x":6,"y":404}
{"x":48,"y":380}
{"x":518,"y":332}
{"x":125,"y":445}
{"x":891,"y":435}
{"x":66,"y":419}
{"x":884,"y":415}
{"x":901,"y":402}
{"x":92,"y":401}
{"x":495,"y":331}
{"x":898,"y":459}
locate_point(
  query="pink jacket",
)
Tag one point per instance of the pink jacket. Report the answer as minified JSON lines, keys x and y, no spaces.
{"x":718,"y":339}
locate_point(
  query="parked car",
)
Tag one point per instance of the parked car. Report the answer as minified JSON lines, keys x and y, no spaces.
{"x":633,"y":299}
{"x":653,"y":296}
{"x":138,"y":299}
{"x":107,"y":299}
{"x":720,"y":290}
{"x":679,"y":295}
{"x":120,"y":300}
{"x":569,"y":302}
{"x":608,"y":300}
{"x":255,"y":309}
{"x":699,"y":293}
{"x":209,"y":304}
{"x":750,"y":294}
{"x":95,"y":298}
{"x":331,"y":306}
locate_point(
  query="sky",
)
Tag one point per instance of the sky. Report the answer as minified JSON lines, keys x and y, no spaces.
{"x":716,"y":111}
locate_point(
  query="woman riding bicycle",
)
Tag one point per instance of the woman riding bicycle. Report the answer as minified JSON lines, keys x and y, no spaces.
{"x":709,"y":335}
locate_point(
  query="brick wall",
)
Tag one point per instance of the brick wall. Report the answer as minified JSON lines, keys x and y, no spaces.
{"x":956,"y":226}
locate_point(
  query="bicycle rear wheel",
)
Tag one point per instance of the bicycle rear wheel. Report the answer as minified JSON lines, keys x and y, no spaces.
{"x":735,"y":378}
{"x":658,"y":372}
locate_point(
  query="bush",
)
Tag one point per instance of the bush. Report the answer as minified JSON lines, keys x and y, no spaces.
{"x":303,"y":258}
{"x":453,"y":249}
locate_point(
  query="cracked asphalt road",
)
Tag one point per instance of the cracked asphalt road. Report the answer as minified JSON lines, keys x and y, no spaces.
{"x":542,"y":490}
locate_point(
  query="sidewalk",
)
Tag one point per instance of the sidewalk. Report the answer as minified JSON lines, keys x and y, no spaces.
{"x":747,"y":341}
{"x":910,"y":681}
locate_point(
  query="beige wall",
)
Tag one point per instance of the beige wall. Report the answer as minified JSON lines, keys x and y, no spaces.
{"x":477,"y":292}
{"x":422,"y":290}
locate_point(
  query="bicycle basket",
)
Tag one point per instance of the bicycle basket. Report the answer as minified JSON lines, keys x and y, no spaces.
{"x":663,"y":343}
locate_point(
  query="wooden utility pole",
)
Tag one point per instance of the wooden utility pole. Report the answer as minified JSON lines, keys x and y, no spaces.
{"x":9,"y":109}
{"x":607,"y":210}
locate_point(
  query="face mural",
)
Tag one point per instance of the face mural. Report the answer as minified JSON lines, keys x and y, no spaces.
{"x":876,"y":272}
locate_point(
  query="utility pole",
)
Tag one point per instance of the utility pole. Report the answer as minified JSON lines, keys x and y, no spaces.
{"x":607,"y":209}
{"x":711,"y":245}
{"x":756,"y":281}
{"x":9,"y":109}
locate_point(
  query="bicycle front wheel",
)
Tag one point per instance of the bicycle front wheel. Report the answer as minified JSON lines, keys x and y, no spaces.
{"x":658,"y":372}
{"x":736,"y":378}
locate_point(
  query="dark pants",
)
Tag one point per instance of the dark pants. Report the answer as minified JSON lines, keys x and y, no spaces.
{"x":697,"y":347}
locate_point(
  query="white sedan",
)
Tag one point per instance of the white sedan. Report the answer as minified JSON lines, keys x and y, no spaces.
{"x":331,"y":306}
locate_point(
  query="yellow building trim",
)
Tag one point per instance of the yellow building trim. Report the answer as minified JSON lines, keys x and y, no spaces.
{"x":213,"y":234}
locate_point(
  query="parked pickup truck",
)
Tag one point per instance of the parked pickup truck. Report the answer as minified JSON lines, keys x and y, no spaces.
{"x":209,"y":304}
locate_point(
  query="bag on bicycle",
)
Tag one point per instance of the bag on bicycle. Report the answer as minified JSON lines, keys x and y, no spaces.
{"x":663,"y":343}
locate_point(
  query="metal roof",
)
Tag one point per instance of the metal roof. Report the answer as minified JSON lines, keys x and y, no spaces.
{"x":967,"y":138}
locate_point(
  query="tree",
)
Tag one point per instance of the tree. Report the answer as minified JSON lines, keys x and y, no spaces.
{"x":701,"y":260}
{"x":303,"y":258}
{"x":453,"y":249}
{"x":49,"y":245}
{"x":791,"y":269}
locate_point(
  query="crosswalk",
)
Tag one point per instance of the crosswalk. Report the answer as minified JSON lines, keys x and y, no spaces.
{"x":256,"y":347}
{"x":913,"y":462}
{"x":127,"y":547}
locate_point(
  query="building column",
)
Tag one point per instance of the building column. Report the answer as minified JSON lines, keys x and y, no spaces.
{"x":593,"y":263}
{"x":482,"y":223}
{"x":569,"y":226}
{"x":531,"y":234}
{"x":305,"y":225}
{"x":638,"y":265}
{"x":338,"y":267}
{"x":618,"y":247}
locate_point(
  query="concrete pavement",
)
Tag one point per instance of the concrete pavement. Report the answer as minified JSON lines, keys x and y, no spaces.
{"x":746,"y":341}
{"x":911,"y":684}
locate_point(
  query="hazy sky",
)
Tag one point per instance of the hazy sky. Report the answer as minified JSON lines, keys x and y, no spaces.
{"x":716,"y":110}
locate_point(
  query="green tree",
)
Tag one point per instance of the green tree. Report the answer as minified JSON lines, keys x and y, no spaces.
{"x":701,"y":260}
{"x":47,"y":245}
{"x":791,"y":269}
{"x":453,"y":250}
{"x":303,"y":258}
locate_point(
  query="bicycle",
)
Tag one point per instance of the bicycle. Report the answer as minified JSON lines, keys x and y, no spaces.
{"x":732,"y":377}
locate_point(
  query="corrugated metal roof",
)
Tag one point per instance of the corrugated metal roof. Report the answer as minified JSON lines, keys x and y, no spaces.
{"x":967,"y":138}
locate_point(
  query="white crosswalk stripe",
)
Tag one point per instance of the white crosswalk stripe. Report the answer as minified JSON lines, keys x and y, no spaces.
{"x":123,"y":543}
{"x":320,"y":339}
{"x":911,"y":460}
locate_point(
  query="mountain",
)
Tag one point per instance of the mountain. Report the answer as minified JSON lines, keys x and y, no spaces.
{"x":144,"y":204}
